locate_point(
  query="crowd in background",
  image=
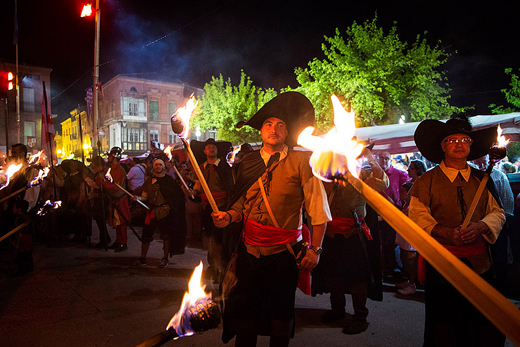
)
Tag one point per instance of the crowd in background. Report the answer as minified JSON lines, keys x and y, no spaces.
{"x":79,"y":187}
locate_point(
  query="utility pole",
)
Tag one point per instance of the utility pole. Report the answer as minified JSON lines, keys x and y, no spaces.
{"x":95,"y":90}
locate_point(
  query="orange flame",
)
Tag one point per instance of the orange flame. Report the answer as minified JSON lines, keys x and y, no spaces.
{"x":35,"y":159}
{"x":501,"y":140}
{"x":191,"y":299}
{"x":11,"y":170}
{"x":108,"y":176}
{"x":168,"y":152}
{"x":336,"y":152}
{"x":231,"y":156}
{"x":183,"y":115}
{"x":38,"y":179}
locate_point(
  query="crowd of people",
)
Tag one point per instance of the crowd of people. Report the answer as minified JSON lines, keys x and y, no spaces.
{"x":271,"y":221}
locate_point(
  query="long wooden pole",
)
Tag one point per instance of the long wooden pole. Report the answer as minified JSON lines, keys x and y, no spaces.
{"x":498,"y":309}
{"x":200,"y":176}
{"x":14,"y":193}
{"x":21,"y":226}
{"x":131,"y":195}
{"x":477,"y":197}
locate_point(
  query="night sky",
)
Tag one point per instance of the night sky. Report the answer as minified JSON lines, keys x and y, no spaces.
{"x":193,"y":41}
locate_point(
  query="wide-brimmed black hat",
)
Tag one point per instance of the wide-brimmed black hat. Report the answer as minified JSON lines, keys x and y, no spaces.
{"x":198,"y":148}
{"x":292,"y":107}
{"x":430,"y":133}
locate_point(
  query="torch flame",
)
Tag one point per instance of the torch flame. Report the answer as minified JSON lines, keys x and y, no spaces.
{"x":48,"y":206}
{"x":336,"y":152}
{"x":35,"y":159}
{"x":38,"y":179}
{"x":11,"y":170}
{"x":183,"y":115}
{"x":168,"y":152}
{"x":231,"y":156}
{"x":108,"y":176}
{"x":501,"y":140}
{"x":194,"y":297}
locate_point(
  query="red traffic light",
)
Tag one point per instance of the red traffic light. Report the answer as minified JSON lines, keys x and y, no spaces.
{"x":87,"y":10}
{"x":10,"y":81}
{"x":7,"y":81}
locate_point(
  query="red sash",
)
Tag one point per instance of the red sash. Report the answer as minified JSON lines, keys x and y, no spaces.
{"x":149,"y":216}
{"x":467,"y":251}
{"x":216,"y":195}
{"x":257,"y":234}
{"x":458,"y":251}
{"x":340,"y":225}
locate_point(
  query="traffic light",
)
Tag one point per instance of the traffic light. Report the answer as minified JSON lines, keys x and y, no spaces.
{"x":87,"y":10}
{"x":6,"y":82}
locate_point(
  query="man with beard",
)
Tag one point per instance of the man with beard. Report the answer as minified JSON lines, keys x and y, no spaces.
{"x":119,"y":208}
{"x":165,"y":199}
{"x":272,"y":186}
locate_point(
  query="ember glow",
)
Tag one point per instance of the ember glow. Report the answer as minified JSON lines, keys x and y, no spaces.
{"x":11,"y":170}
{"x":501,"y":140}
{"x":38,"y":179}
{"x":193,"y":301}
{"x":181,"y":118}
{"x":336,"y":152}
{"x":48,"y":206}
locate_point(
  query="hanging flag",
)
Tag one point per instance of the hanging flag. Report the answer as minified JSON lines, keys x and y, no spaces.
{"x":90,"y":105}
{"x":47,"y":135}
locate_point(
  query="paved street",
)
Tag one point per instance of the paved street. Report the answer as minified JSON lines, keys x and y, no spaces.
{"x":80,"y":296}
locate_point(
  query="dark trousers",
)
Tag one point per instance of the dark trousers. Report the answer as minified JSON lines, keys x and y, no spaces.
{"x":451,"y":320}
{"x":388,"y":247}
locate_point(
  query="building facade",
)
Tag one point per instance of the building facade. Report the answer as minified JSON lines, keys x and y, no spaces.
{"x":135,"y":111}
{"x":76,"y":136}
{"x":26,"y":128}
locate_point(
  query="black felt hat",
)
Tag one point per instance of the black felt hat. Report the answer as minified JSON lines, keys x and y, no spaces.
{"x":198,"y":148}
{"x":292,"y":107}
{"x":430,"y":134}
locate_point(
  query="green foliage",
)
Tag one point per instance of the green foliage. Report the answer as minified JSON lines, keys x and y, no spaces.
{"x":512,"y":95}
{"x":377,"y":75}
{"x":224,"y":105}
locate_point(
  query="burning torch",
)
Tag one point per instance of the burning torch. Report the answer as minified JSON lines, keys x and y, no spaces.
{"x":180,"y":125}
{"x":197,"y":313}
{"x":334,"y":157}
{"x":33,"y":183}
{"x":168,"y":151}
{"x":108,"y":177}
{"x":496,"y":153}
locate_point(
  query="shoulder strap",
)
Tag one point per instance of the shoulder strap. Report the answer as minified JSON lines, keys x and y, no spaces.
{"x":271,"y":215}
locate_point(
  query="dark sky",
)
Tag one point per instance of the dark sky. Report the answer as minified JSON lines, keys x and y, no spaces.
{"x":193,"y":41}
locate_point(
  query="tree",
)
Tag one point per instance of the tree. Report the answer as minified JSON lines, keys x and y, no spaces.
{"x":513,"y":98}
{"x":512,"y":95}
{"x":223,"y":106}
{"x":377,"y":75}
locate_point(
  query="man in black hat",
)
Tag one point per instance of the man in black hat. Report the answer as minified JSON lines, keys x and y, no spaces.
{"x":272,"y":186}
{"x":219,"y":177}
{"x":439,"y":204}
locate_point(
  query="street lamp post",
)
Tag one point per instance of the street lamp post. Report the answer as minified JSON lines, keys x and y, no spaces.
{"x":87,"y":12}
{"x":95,"y":90}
